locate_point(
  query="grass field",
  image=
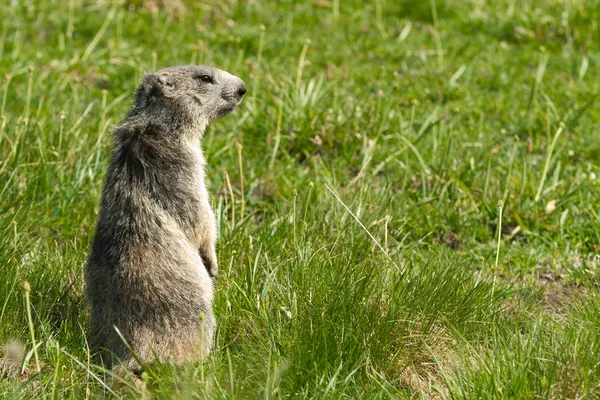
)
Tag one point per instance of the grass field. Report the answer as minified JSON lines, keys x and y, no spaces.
{"x":407,"y":200}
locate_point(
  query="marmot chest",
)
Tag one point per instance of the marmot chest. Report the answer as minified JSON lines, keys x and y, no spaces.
{"x":199,"y":221}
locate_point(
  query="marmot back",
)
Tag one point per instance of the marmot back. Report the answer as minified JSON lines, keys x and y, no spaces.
{"x":152,"y":265}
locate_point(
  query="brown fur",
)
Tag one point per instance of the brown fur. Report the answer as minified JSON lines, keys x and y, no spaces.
{"x":152,"y":266}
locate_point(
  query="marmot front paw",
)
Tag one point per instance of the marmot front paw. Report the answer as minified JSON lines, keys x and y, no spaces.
{"x":210,"y":263}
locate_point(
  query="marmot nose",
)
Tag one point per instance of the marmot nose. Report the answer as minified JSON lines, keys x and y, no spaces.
{"x":242,"y":89}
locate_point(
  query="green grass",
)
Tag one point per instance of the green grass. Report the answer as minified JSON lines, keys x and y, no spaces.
{"x":419,"y":115}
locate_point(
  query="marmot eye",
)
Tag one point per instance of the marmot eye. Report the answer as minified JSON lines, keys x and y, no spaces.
{"x":206,"y":78}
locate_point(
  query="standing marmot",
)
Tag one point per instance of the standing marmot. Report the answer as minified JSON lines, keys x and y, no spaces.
{"x":153,"y":256}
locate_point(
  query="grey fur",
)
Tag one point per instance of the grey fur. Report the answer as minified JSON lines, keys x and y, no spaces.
{"x":153,"y":255}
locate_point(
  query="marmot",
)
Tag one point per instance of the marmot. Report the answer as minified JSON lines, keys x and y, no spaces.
{"x":153,"y":264}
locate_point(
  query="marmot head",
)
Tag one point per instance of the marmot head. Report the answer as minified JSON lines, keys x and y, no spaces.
{"x":196,"y":94}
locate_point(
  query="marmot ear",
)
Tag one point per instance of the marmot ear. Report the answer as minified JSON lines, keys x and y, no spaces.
{"x":153,"y":87}
{"x":152,"y":83}
{"x":166,"y":83}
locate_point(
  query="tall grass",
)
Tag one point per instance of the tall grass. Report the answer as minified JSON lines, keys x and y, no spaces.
{"x":361,"y":253}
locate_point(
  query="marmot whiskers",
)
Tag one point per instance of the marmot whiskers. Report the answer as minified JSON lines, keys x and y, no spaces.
{"x":152,"y":266}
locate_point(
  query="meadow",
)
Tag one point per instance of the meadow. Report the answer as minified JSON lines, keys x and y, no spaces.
{"x":407,"y":199}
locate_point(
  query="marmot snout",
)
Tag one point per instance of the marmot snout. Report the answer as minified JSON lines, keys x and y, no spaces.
{"x":152,"y":265}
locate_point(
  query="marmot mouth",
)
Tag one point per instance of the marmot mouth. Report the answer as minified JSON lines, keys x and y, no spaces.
{"x":228,"y":108}
{"x":233,"y":103}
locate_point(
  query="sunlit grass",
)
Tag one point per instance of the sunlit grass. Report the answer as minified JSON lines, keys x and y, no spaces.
{"x":362,"y":253}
